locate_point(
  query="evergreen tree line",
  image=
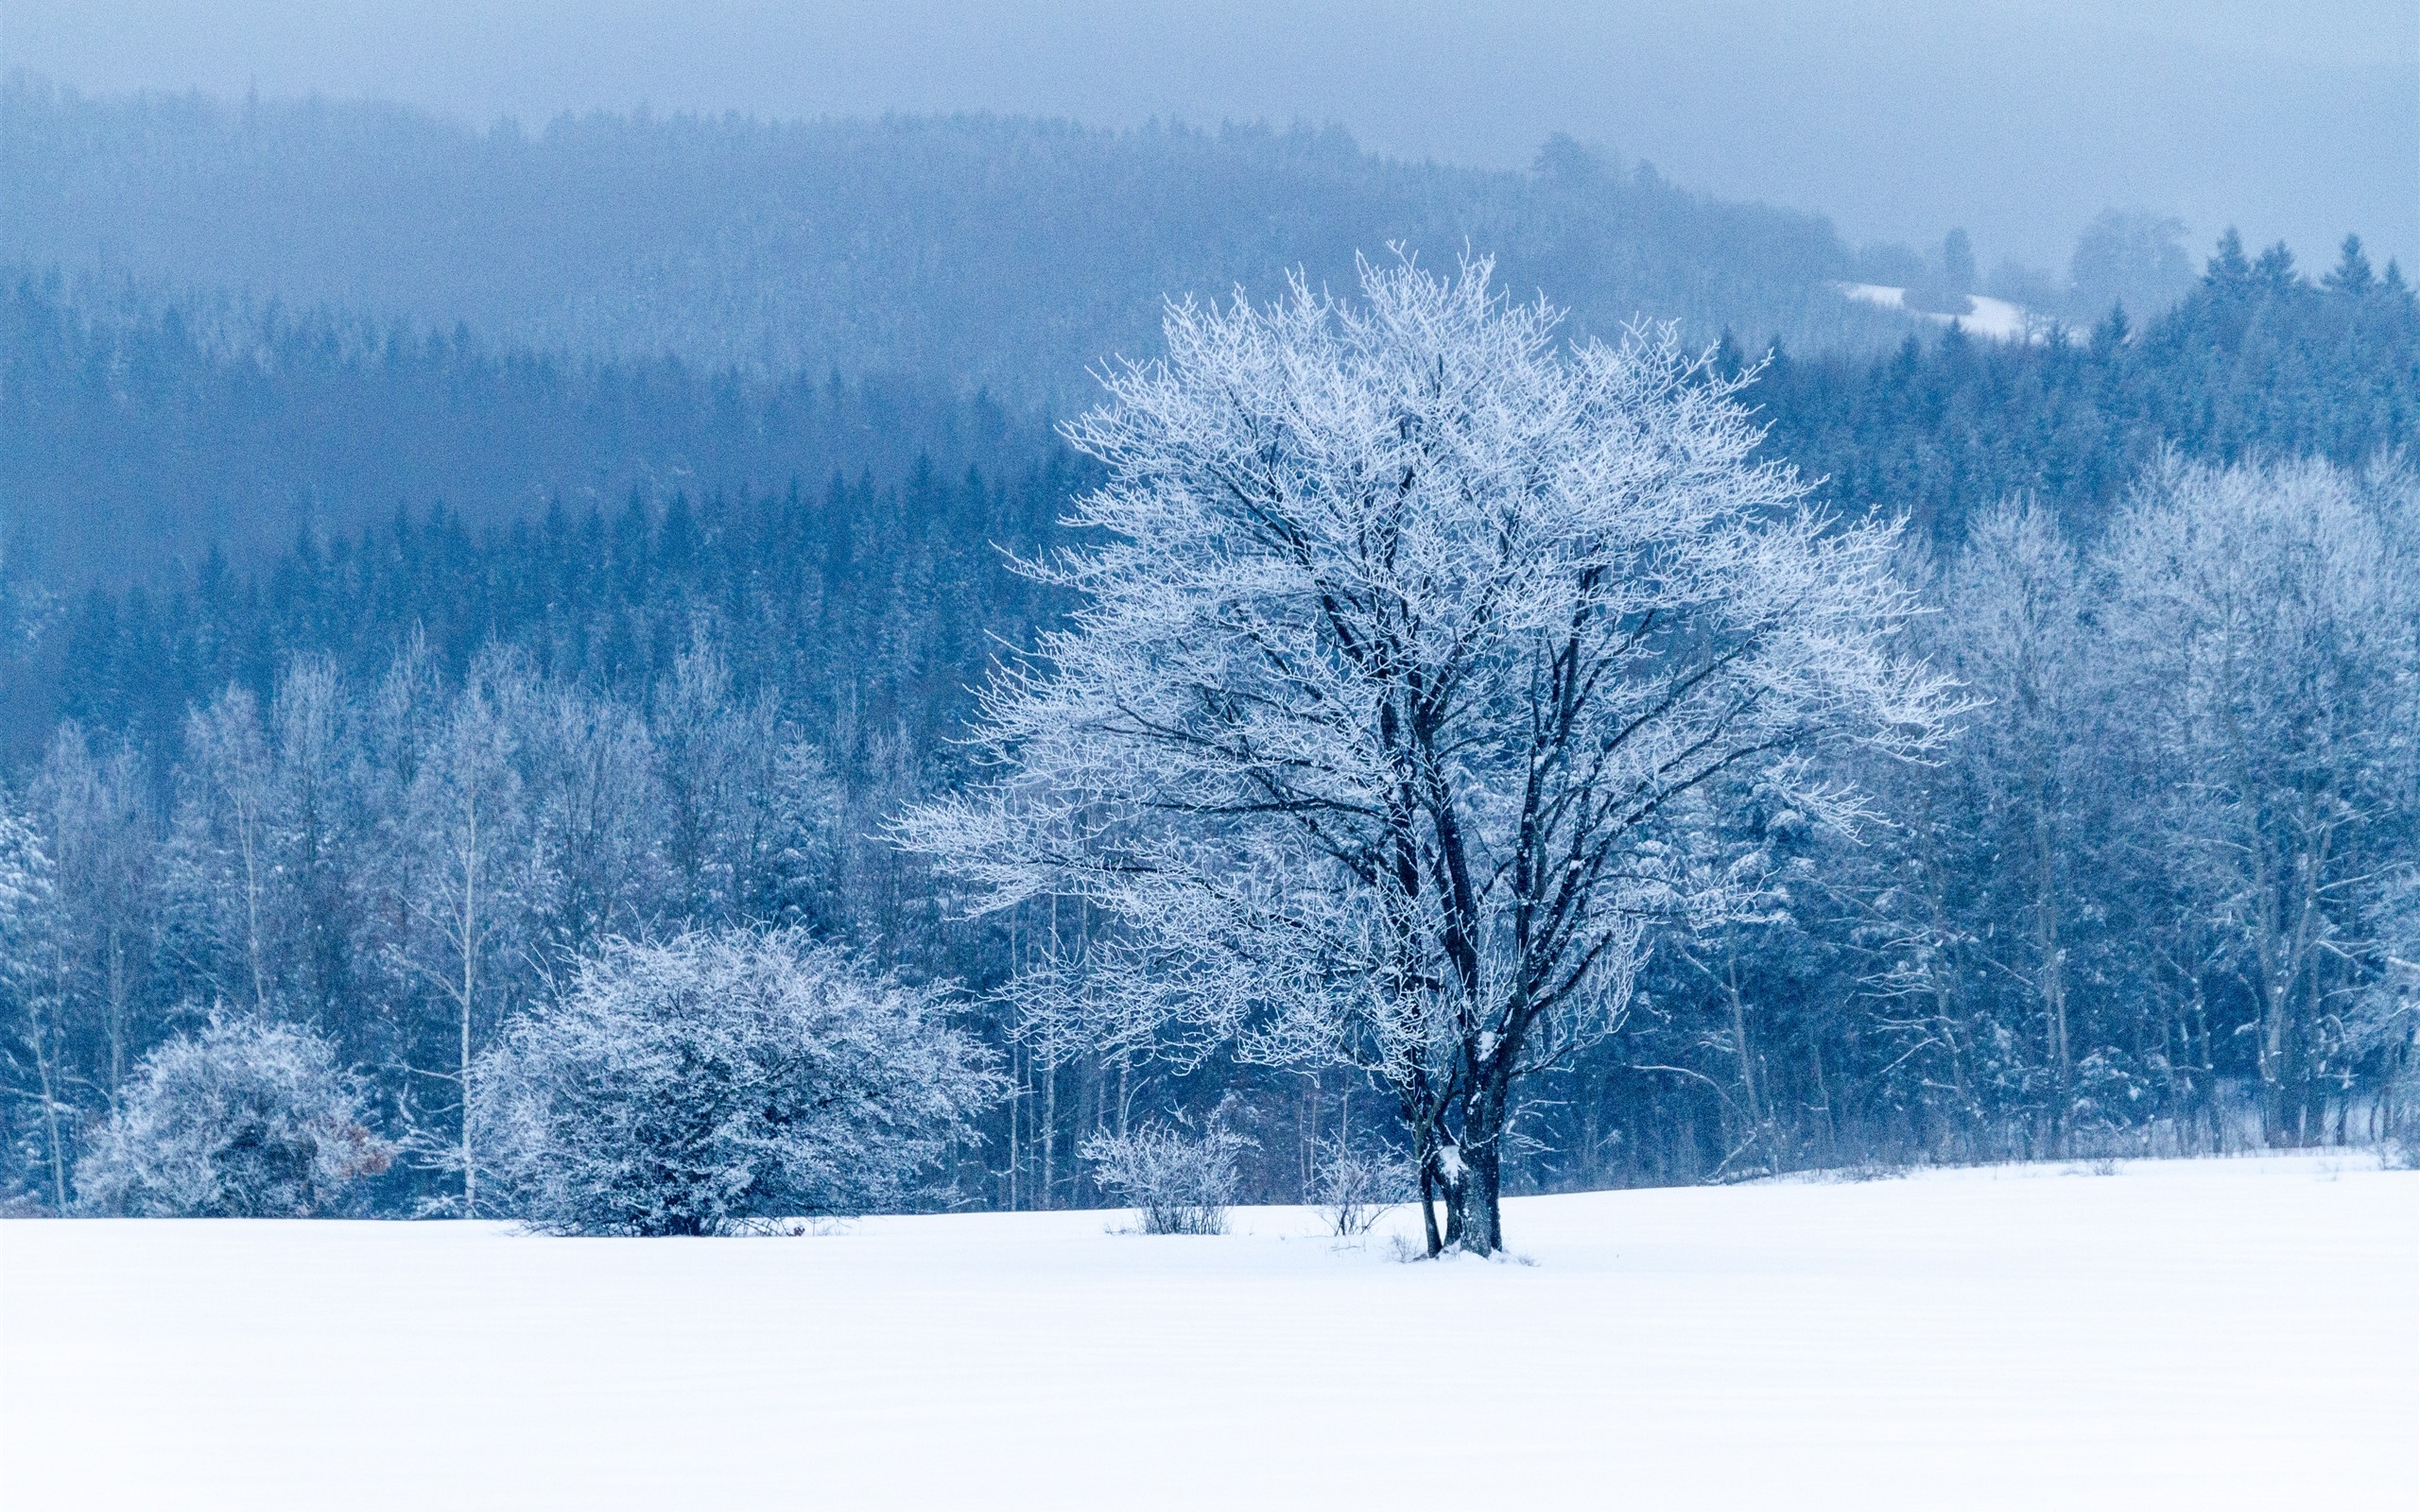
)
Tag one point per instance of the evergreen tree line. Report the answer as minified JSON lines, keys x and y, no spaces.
{"x":2257,"y":361}
{"x":135,"y":434}
{"x":2158,"y":895}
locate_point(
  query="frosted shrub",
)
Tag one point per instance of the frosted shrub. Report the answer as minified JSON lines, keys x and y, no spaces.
{"x":1355,"y":1185}
{"x":249,"y":1119}
{"x":721,"y":1080}
{"x":1179,"y":1183}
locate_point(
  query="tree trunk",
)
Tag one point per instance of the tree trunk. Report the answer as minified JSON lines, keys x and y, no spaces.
{"x":1426,"y":1153}
{"x":120,"y":994}
{"x":2051,"y":980}
{"x":470,"y":995}
{"x":1016,"y":1102}
{"x":1476,"y":1218}
{"x":1049,"y":1131}
{"x":1482,"y":1225}
{"x":40,"y":1040}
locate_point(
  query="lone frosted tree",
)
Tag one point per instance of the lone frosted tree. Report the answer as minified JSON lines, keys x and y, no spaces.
{"x":1412,"y":643}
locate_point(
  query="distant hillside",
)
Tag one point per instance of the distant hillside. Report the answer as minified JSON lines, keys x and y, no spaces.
{"x":317,"y":459}
{"x":1011,"y":254}
{"x":134,"y":432}
{"x":2258,"y":361}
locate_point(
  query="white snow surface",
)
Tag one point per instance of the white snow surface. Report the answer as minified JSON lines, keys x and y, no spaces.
{"x":1998,"y":319}
{"x":2204,"y":1334}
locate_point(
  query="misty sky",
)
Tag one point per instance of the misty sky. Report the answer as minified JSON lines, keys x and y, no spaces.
{"x":1899,"y":119}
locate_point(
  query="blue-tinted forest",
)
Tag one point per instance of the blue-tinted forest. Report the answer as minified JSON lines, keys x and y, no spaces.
{"x":698,"y":500}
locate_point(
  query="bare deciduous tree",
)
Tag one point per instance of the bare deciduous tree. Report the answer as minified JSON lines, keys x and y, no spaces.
{"x":220,"y":866}
{"x":2266,"y":620}
{"x":1410,"y":638}
{"x":29,"y":990}
{"x":464,"y":818}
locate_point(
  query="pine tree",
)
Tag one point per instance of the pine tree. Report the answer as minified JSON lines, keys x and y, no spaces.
{"x":2228,"y":271}
{"x":2351,"y":275}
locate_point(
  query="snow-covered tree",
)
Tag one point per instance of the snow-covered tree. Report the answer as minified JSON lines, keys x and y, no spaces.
{"x":2017,"y":644}
{"x":791,"y":865}
{"x":1990,"y":992}
{"x":720,"y":1079}
{"x":29,"y":995}
{"x":1408,"y":641}
{"x":594,"y":817}
{"x":220,"y":873}
{"x":462,"y":838}
{"x":318,"y":843}
{"x":2264,"y":618}
{"x":249,"y":1119}
{"x":2384,"y":1024}
{"x":96,"y":813}
{"x":716,"y":753}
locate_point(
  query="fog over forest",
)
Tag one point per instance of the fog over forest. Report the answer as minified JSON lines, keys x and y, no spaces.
{"x":2016,"y":119}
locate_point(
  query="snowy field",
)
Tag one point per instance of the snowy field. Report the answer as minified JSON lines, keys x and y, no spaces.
{"x":2204,"y":1334}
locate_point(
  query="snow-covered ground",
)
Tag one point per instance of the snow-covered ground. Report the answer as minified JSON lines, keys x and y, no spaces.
{"x":1999,"y":320}
{"x":2203,"y":1334}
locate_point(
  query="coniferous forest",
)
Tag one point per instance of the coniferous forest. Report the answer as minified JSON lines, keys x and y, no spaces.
{"x":392,"y":653}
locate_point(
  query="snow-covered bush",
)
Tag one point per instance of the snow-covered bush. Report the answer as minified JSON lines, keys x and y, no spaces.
{"x":249,"y":1119}
{"x":1179,"y":1183}
{"x":722,"y":1079}
{"x":1355,"y":1184}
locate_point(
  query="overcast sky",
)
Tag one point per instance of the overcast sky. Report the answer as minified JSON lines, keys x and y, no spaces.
{"x":2294,"y":118}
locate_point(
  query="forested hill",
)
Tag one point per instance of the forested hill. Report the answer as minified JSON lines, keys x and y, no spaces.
{"x":135,"y":437}
{"x":2259,"y":362}
{"x":843,"y":534}
{"x":1011,"y":254}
